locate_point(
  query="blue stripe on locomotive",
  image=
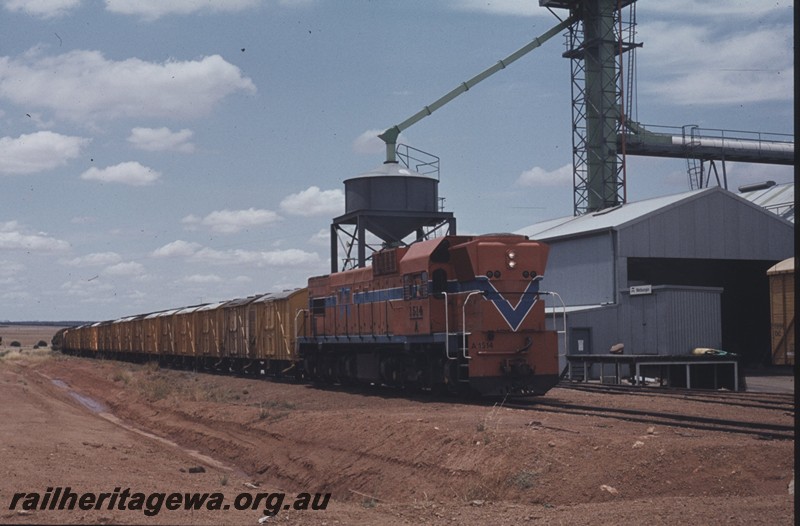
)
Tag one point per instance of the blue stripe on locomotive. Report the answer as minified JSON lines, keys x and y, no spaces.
{"x":513,"y":315}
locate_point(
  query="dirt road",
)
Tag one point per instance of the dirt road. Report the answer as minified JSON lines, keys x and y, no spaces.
{"x":576,"y":458}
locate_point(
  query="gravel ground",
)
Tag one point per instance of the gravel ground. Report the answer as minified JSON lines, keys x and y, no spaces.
{"x":573,"y":457}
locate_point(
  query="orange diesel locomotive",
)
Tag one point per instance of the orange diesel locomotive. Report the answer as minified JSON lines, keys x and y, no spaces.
{"x":456,"y":313}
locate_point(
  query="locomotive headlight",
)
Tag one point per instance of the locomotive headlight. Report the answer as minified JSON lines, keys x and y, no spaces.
{"x":510,"y":259}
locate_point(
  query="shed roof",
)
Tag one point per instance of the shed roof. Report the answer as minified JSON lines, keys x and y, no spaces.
{"x":778,"y":199}
{"x":784,"y":267}
{"x":619,"y":216}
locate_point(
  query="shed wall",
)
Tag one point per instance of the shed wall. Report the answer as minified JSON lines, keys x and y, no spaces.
{"x":581,"y":270}
{"x":715,"y":226}
{"x":672,"y":320}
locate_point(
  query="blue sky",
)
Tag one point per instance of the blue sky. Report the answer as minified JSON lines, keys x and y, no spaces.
{"x":157,"y":153}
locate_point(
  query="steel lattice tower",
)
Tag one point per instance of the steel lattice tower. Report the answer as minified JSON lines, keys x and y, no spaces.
{"x":596,"y":44}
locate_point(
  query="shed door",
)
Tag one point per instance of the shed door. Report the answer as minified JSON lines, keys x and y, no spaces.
{"x":644,"y":324}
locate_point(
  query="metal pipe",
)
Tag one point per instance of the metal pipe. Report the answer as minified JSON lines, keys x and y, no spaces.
{"x":390,"y":135}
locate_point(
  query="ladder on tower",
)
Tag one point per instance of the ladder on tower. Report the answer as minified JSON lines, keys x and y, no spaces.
{"x":694,"y":166}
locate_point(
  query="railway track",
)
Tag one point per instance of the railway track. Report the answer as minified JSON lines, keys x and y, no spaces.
{"x":770,"y":401}
{"x":765,"y":405}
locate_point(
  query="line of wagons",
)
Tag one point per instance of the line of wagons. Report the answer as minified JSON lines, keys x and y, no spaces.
{"x":253,"y":335}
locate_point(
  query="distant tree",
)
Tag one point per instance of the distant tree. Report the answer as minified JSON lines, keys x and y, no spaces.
{"x":15,"y":343}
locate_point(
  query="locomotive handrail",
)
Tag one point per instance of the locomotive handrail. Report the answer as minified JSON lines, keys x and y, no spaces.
{"x":447,"y":329}
{"x":564,"y":316}
{"x":464,"y":323}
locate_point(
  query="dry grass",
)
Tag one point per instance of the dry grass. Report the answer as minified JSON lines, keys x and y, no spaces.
{"x":26,"y":339}
{"x":27,"y":355}
{"x":122,"y":375}
{"x":156,"y":384}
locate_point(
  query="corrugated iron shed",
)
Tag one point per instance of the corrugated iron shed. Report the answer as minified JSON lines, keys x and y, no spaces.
{"x":709,"y":238}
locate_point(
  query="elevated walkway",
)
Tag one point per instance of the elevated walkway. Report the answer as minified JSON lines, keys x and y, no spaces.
{"x":689,"y":371}
{"x":692,"y":142}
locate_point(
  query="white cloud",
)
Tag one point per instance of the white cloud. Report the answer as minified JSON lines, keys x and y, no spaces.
{"x":13,"y":238}
{"x":10,"y":268}
{"x":36,"y":152}
{"x":153,"y":9}
{"x":502,"y":7}
{"x":125,"y":88}
{"x":94,"y":259}
{"x":321,"y":238}
{"x":130,"y":173}
{"x":232,"y":221}
{"x":202,"y":278}
{"x":537,"y":176}
{"x":41,"y":8}
{"x":712,"y":8}
{"x":39,"y":121}
{"x":289,"y":258}
{"x":191,"y":221}
{"x":368,"y":143}
{"x":314,"y":202}
{"x":86,"y":288}
{"x":702,"y":65}
{"x":161,"y":140}
{"x":177,"y":248}
{"x":130,"y":268}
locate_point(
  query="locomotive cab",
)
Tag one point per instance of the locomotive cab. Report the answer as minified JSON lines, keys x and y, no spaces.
{"x":503,"y":336}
